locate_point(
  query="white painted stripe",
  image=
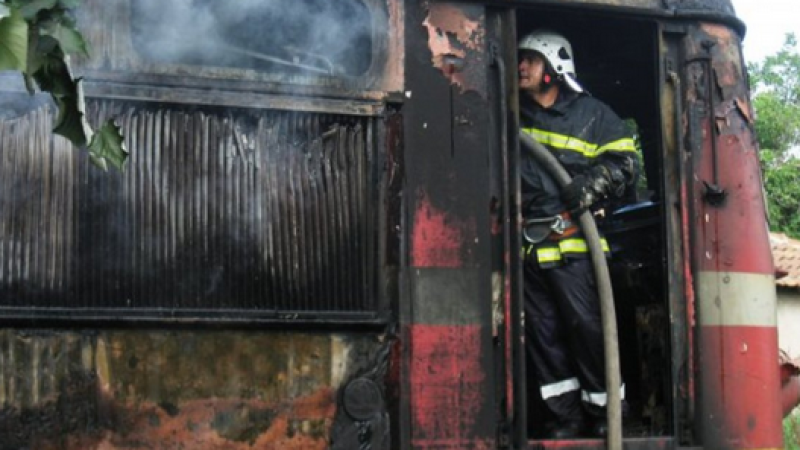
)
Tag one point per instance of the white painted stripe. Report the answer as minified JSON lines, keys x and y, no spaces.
{"x":600,"y":398}
{"x":736,"y":299}
{"x":561,"y":387}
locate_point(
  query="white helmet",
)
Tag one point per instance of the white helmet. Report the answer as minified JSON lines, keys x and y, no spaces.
{"x":557,"y":50}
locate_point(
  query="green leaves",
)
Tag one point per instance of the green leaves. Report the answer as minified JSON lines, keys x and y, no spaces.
{"x":13,"y":40}
{"x":31,"y":8}
{"x":35,"y":37}
{"x":775,"y":83}
{"x":71,"y":122}
{"x":108,"y":145}
{"x":782,"y":183}
{"x":777,"y":122}
{"x":69,"y":39}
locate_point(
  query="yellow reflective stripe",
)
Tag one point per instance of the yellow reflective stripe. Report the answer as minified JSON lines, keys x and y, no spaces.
{"x":579,"y":245}
{"x":573,"y":245}
{"x":563,"y":142}
{"x":554,"y":253}
{"x":548,"y":255}
{"x":621,"y":145}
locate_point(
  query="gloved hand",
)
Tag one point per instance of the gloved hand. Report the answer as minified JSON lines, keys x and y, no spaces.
{"x":578,"y":196}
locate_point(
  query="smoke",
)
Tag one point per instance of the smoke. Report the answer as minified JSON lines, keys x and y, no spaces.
{"x":298,"y":36}
{"x":16,"y":105}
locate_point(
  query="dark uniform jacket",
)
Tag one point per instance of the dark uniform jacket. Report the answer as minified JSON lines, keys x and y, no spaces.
{"x":588,"y":138}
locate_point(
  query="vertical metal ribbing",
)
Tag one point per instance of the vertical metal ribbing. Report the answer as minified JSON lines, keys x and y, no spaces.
{"x":280,"y":211}
{"x":6,"y":254}
{"x":33,"y":247}
{"x":340,"y":177}
{"x":283,"y":200}
{"x":293,"y":232}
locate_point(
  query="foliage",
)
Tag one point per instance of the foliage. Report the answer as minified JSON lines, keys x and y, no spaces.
{"x":791,"y":430}
{"x":782,"y":183}
{"x":36,"y":37}
{"x":776,"y":86}
{"x":775,"y":83}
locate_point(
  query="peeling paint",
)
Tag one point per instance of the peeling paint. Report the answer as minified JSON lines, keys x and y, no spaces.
{"x":453,"y":20}
{"x":457,"y":45}
{"x":744,"y":110}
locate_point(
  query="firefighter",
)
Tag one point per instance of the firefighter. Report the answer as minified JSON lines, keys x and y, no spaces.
{"x":562,"y":309}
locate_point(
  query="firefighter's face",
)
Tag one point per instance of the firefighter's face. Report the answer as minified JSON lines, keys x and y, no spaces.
{"x":531,"y":70}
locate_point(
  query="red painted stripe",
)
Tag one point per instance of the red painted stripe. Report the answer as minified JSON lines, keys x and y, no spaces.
{"x":733,"y":237}
{"x":686,"y":391}
{"x":438,"y":238}
{"x":447,"y":385}
{"x":741,"y":404}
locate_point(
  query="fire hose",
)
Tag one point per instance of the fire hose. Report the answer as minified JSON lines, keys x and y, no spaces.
{"x":603,"y":278}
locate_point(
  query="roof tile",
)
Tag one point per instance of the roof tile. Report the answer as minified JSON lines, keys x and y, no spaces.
{"x":786,"y":254}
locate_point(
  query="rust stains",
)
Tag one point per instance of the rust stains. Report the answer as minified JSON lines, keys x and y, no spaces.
{"x":394,"y":75}
{"x":230,"y":424}
{"x":457,"y":41}
{"x":173,"y":389}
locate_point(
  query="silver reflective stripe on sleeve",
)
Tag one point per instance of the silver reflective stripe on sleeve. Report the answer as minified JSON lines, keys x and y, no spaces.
{"x":600,"y":398}
{"x":560,"y":387}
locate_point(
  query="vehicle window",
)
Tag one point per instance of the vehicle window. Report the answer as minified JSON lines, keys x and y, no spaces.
{"x":299,"y":36}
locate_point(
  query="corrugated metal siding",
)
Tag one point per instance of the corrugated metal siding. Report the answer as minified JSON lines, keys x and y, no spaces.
{"x":218,"y":209}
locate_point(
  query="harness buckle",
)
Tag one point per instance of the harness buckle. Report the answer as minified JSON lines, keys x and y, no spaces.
{"x":560,"y":224}
{"x":537,"y":230}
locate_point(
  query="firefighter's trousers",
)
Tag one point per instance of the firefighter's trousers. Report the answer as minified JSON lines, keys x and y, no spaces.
{"x":564,"y":337}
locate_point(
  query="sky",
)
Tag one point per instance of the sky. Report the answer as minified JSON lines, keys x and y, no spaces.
{"x":767,"y":22}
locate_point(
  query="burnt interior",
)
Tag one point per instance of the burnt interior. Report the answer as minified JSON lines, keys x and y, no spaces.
{"x":622,"y":69}
{"x":309,"y":37}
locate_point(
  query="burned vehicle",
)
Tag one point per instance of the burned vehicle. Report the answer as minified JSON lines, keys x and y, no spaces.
{"x":315,"y":242}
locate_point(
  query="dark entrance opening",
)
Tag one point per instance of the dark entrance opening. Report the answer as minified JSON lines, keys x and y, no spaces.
{"x":622,"y":69}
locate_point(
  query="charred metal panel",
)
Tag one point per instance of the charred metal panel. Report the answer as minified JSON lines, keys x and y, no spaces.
{"x":219,"y":211}
{"x":183,"y":389}
{"x":647,"y":4}
{"x":446,"y":292}
{"x":724,"y":7}
{"x":708,"y":10}
{"x":717,"y":6}
{"x":678,"y":240}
